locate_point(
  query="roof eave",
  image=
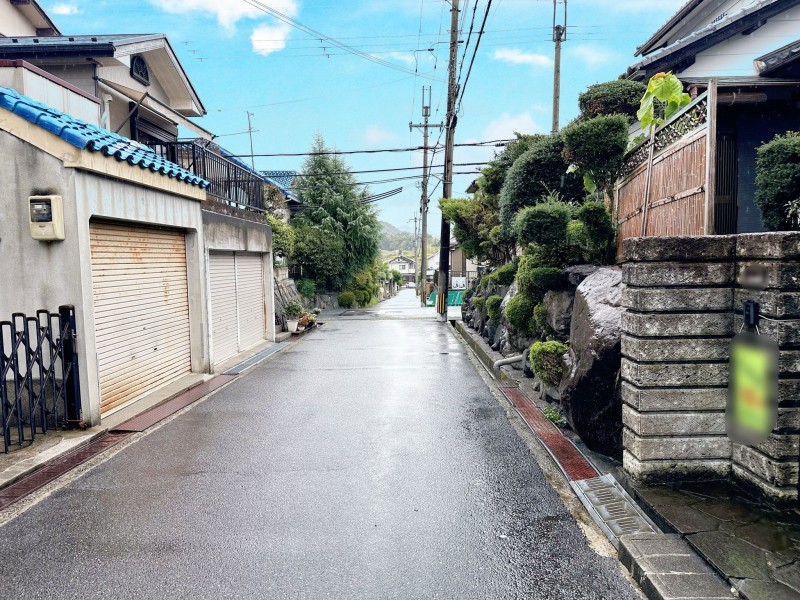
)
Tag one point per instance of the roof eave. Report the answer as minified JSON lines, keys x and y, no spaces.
{"x":682,"y":13}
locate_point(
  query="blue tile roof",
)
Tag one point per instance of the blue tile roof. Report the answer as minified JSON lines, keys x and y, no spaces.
{"x":86,"y":136}
{"x":283,"y":180}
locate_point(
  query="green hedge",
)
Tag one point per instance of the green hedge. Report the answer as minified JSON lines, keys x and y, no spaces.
{"x":501,"y":275}
{"x":547,"y":363}
{"x":778,"y":182}
{"x":601,"y":235}
{"x":597,"y":147}
{"x":493,"y":308}
{"x":519,"y":313}
{"x":346,"y":299}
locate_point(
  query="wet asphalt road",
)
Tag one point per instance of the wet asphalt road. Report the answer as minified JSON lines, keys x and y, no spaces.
{"x":368,"y":461}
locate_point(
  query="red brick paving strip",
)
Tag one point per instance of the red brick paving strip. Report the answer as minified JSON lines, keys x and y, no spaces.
{"x":63,"y":464}
{"x":162,"y":411}
{"x":57,"y":467}
{"x":565,"y":453}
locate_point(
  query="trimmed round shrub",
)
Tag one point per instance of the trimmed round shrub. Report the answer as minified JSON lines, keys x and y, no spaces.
{"x":778,"y":181}
{"x":307,"y":288}
{"x":539,"y":172}
{"x":599,"y":230}
{"x":501,"y":275}
{"x":346,"y":299}
{"x":479,"y":302}
{"x":540,"y":317}
{"x":536,"y":281}
{"x":544,"y":224}
{"x":362,"y":297}
{"x":519,"y":313}
{"x":617,"y":97}
{"x":547,"y":361}
{"x":597,"y":146}
{"x":493,"y":308}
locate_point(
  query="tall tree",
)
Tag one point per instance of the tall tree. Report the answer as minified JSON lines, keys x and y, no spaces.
{"x":334,"y":203}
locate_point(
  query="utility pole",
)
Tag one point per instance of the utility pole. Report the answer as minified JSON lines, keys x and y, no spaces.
{"x":422,"y":267}
{"x":447,"y":187}
{"x":250,"y":131}
{"x":416,"y":245}
{"x":559,"y":36}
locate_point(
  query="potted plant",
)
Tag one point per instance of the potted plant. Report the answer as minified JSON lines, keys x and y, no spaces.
{"x":292,"y":312}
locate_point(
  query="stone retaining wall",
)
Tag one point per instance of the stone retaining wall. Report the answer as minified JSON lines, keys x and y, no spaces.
{"x":683,"y":301}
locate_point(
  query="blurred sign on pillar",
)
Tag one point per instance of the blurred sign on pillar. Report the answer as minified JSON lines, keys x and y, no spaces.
{"x":752,"y":410}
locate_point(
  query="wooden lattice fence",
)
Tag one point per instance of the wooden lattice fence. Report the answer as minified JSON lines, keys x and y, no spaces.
{"x":664,"y":190}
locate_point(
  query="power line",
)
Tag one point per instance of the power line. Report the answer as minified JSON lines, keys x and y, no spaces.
{"x":477,"y":164}
{"x":475,"y":52}
{"x":489,"y":143}
{"x":318,"y":35}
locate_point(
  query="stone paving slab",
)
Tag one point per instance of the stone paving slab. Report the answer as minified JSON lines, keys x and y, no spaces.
{"x":666,"y":568}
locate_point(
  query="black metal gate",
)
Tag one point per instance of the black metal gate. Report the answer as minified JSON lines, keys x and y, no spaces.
{"x":39,"y":384}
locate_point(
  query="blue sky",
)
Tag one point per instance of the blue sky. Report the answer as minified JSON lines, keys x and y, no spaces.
{"x":240,"y":59}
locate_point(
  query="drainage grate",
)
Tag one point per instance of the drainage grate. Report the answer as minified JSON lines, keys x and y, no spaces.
{"x":612,"y":508}
{"x":253,"y":361}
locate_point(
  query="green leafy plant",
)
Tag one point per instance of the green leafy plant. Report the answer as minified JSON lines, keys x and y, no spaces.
{"x":493,"y":308}
{"x":544,"y":224}
{"x":554,"y":416}
{"x":519,"y":313}
{"x":662,"y":100}
{"x":307,"y":288}
{"x":398,"y":277}
{"x":547,"y":361}
{"x":616,"y":97}
{"x":346,"y":299}
{"x":293,"y":310}
{"x":536,"y":281}
{"x":362,"y":297}
{"x":479,"y":302}
{"x":778,"y":182}
{"x":540,"y":318}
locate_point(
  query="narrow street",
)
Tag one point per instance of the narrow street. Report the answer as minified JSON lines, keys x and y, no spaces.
{"x":370,"y":460}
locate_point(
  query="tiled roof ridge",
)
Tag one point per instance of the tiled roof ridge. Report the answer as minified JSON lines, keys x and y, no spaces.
{"x":86,"y":136}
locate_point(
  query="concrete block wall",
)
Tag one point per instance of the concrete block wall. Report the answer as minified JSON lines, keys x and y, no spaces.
{"x":681,"y":301}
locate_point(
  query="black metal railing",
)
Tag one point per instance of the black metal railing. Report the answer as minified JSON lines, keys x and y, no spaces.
{"x":230,"y":181}
{"x":39,"y":385}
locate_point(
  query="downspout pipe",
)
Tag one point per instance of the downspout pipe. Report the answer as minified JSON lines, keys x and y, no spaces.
{"x":508,"y":361}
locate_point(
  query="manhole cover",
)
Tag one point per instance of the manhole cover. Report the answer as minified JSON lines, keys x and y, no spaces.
{"x":612,"y":508}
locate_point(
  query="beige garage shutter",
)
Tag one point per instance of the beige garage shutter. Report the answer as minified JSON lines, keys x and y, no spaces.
{"x":224,"y":321}
{"x":250,"y":299}
{"x":141,"y":310}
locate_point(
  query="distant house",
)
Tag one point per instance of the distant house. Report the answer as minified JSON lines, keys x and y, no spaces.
{"x":406,"y":266}
{"x":741,"y":63}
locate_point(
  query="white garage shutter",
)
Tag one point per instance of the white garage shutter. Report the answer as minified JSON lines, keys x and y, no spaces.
{"x":141,"y":308}
{"x":250,"y":299}
{"x":224,"y":322}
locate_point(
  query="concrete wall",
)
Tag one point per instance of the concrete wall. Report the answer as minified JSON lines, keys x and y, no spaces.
{"x":680,"y":298}
{"x":225,"y":232}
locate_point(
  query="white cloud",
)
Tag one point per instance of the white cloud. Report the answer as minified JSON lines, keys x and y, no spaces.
{"x":404,"y":57}
{"x":504,"y":126}
{"x":65,"y":9}
{"x":593,"y":56}
{"x":267,"y":39}
{"x":518,"y":57}
{"x":377,"y":135}
{"x":227,"y":12}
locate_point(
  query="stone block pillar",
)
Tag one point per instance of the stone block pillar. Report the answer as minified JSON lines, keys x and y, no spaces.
{"x":683,"y":304}
{"x":774,"y":259}
{"x":677,"y":326}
